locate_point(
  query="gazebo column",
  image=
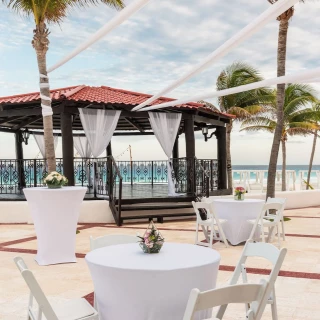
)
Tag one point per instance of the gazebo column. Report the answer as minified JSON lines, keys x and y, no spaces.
{"x":67,"y":147}
{"x":19,"y":157}
{"x":222,"y":157}
{"x":190,"y":153}
{"x":109,"y":149}
{"x":175,"y":152}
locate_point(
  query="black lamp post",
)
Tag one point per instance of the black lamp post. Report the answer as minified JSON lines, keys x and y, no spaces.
{"x":205,"y":134}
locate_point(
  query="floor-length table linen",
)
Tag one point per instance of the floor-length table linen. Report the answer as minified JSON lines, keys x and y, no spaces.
{"x":55,"y":214}
{"x":237,"y":229}
{"x":130,"y":284}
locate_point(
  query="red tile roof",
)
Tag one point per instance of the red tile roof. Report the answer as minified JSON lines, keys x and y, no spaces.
{"x":101,"y":94}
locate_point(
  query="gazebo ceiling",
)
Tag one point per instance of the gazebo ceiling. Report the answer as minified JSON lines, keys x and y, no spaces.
{"x":24,"y":111}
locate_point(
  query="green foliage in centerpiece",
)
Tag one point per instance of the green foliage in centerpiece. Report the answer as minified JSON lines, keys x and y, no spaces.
{"x":55,"y":180}
{"x":152,"y":240}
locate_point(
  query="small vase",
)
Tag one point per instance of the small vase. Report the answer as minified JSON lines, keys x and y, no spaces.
{"x":50,"y":186}
{"x":239,"y":197}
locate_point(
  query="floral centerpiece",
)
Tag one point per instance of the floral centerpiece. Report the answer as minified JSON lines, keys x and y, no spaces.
{"x":55,"y":180}
{"x":239,"y":193}
{"x":152,"y":240}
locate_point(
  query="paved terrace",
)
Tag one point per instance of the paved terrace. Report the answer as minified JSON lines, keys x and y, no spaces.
{"x":297,"y":288}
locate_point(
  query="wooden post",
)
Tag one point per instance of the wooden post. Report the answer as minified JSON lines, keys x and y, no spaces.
{"x":190,"y":153}
{"x":109,"y":169}
{"x":109,"y":149}
{"x":67,"y":147}
{"x":19,"y":157}
{"x":175,"y":153}
{"x":222,"y":157}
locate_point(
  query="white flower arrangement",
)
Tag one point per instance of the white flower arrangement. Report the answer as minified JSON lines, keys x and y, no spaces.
{"x":55,"y":180}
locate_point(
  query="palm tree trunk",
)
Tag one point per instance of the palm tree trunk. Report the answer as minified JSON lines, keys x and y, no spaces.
{"x":281,"y":70}
{"x":40,"y":43}
{"x":284,"y":164}
{"x":229,"y":164}
{"x":312,"y":157}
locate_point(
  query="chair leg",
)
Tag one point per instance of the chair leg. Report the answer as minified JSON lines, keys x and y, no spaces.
{"x":211,"y":236}
{"x":197,"y":233}
{"x":279,"y":245}
{"x":283,"y":234}
{"x":95,"y":305}
{"x":274,"y":307}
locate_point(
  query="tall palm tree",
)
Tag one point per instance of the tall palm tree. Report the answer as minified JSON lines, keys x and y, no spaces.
{"x":281,"y":71}
{"x":242,"y":105}
{"x":314,"y":114}
{"x":297,"y":119}
{"x":51,"y":12}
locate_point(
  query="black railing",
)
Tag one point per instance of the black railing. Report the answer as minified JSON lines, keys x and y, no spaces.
{"x":188,"y":174}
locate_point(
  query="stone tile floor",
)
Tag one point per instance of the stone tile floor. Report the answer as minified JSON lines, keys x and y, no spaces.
{"x":297,"y":287}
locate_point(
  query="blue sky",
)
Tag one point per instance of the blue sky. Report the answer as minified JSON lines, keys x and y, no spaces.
{"x":157,"y":45}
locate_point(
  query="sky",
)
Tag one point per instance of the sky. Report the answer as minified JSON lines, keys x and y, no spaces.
{"x":153,"y":48}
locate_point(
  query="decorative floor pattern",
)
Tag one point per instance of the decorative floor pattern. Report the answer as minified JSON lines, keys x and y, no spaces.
{"x":298,"y":285}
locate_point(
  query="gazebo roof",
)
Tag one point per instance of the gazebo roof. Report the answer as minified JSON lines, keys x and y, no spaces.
{"x":70,"y":98}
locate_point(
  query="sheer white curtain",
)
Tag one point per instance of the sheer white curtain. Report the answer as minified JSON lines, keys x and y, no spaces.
{"x":40,"y":142}
{"x":99,"y":126}
{"x":82,"y":146}
{"x":165,"y":127}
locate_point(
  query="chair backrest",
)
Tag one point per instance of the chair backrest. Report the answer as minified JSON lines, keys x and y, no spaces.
{"x":263,"y":250}
{"x":241,"y":293}
{"x":35,"y":291}
{"x":112,"y":239}
{"x":282,"y":201}
{"x":202,"y":205}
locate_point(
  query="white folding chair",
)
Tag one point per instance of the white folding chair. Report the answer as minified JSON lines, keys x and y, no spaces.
{"x":212,"y":222}
{"x":112,"y":239}
{"x":72,"y":310}
{"x":282,"y":201}
{"x":268,"y":252}
{"x":242,"y":293}
{"x":267,"y":220}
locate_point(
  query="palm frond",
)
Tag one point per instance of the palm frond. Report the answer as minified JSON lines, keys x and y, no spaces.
{"x":258,"y":128}
{"x":54,"y":11}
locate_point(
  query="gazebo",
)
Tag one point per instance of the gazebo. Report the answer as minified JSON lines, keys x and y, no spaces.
{"x":21,"y":114}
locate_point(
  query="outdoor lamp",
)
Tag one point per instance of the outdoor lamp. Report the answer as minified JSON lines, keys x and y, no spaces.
{"x":205,"y":133}
{"x":25,"y":136}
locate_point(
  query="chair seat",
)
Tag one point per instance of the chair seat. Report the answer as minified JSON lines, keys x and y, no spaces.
{"x":74,"y":309}
{"x":266,"y":223}
{"x":208,"y":222}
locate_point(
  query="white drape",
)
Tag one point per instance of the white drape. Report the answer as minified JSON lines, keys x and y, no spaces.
{"x":82,"y":146}
{"x":99,"y":126}
{"x":40,"y":142}
{"x":165,"y":127}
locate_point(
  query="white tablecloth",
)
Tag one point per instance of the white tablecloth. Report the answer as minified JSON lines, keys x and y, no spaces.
{"x":55,"y":214}
{"x":130,"y":284}
{"x":236,"y":228}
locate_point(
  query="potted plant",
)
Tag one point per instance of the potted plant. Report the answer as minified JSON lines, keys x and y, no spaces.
{"x":55,"y":180}
{"x":239,"y":193}
{"x":152,"y":240}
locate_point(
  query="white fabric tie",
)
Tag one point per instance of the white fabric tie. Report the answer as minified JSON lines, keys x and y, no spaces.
{"x":46,"y":110}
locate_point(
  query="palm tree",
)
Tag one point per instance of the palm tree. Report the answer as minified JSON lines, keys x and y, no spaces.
{"x":314,"y":114}
{"x":51,"y":12}
{"x":297,"y":119}
{"x":242,"y":105}
{"x":281,"y":71}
